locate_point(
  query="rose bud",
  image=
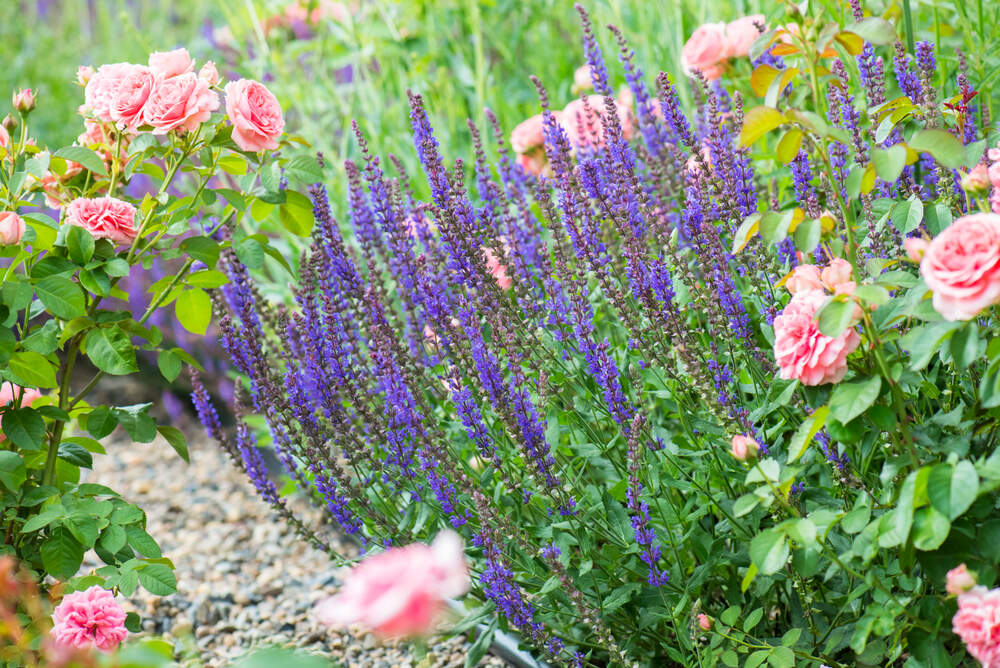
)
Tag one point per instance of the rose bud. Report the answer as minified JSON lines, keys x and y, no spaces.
{"x":959,"y":580}
{"x":744,"y":447}
{"x":977,"y":181}
{"x":11,"y":228}
{"x":24,"y":100}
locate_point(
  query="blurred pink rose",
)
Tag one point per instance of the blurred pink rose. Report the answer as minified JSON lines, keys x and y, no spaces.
{"x":166,"y":64}
{"x":9,"y":392}
{"x":977,"y":623}
{"x":704,"y":621}
{"x":915,"y":248}
{"x":83,"y":74}
{"x":209,"y":73}
{"x":180,"y":102}
{"x":804,"y":277}
{"x":102,"y":88}
{"x":24,"y":100}
{"x":581,"y":119}
{"x":959,"y":580}
{"x":129,"y":101}
{"x":255,"y":115}
{"x":497,"y":270}
{"x":837,"y":272}
{"x":4,"y":138}
{"x":802,"y":351}
{"x":11,"y":228}
{"x":705,"y":51}
{"x":741,"y":34}
{"x":977,"y":181}
{"x":530,"y":133}
{"x":104,"y":218}
{"x":91,"y":618}
{"x":581,"y":80}
{"x":962,"y":266}
{"x":993,"y":174}
{"x":744,"y":447}
{"x":402,"y":591}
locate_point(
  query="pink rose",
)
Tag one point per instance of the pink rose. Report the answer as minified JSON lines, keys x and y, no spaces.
{"x":582,"y":80}
{"x":9,"y":392}
{"x":959,"y":580}
{"x":705,"y":51}
{"x":741,"y":34}
{"x":104,"y":218}
{"x":962,"y":266}
{"x":581,"y":119}
{"x":402,"y":591}
{"x":11,"y":228}
{"x":993,"y":174}
{"x":704,"y":621}
{"x":802,"y":351}
{"x":181,"y":102}
{"x":534,"y":162}
{"x":978,"y":180}
{"x":255,"y":115}
{"x":129,"y":102}
{"x":837,"y":272}
{"x":915,"y":248}
{"x":497,"y":270}
{"x":102,"y":88}
{"x":744,"y":447}
{"x":166,"y":64}
{"x":83,"y":74}
{"x":804,"y":277}
{"x":530,"y":133}
{"x":91,"y":618}
{"x":209,"y":73}
{"x":977,"y":623}
{"x":4,"y":138}
{"x":24,"y":100}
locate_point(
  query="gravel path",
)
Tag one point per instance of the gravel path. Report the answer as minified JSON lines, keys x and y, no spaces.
{"x":244,"y":578}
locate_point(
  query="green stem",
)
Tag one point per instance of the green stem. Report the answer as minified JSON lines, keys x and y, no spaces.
{"x":908,"y":25}
{"x":49,"y":471}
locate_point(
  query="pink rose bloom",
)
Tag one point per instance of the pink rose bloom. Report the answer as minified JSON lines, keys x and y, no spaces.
{"x":741,"y":34}
{"x":744,"y":447}
{"x":255,"y":115}
{"x":530,"y":133}
{"x":402,"y":591}
{"x":993,"y":174}
{"x":977,"y":623}
{"x":9,"y":392}
{"x":102,"y":89}
{"x":4,"y":138}
{"x":11,"y":228}
{"x":959,"y":580}
{"x":837,"y":272}
{"x":582,"y":80}
{"x":127,"y":106}
{"x":209,"y":73}
{"x":915,"y":248}
{"x":802,"y":351}
{"x":166,"y":64}
{"x":994,"y":153}
{"x":804,"y":277}
{"x":497,"y":270}
{"x":535,"y":162}
{"x":104,"y":218}
{"x":83,"y":74}
{"x":705,"y":51}
{"x":704,"y":621}
{"x":91,"y":618}
{"x":582,"y":121}
{"x":182,"y":102}
{"x":962,"y":266}
{"x":979,"y":178}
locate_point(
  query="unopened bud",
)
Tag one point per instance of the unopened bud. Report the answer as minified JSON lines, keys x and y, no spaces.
{"x":24,"y":100}
{"x":9,"y":123}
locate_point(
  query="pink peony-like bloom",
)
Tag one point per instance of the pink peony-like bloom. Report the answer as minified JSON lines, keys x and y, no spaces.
{"x":744,"y":447}
{"x":9,"y":392}
{"x":977,"y":623}
{"x":741,"y":34}
{"x":166,"y":64}
{"x":704,"y":621}
{"x":11,"y":228}
{"x":102,"y":88}
{"x":497,"y":270}
{"x":837,"y":272}
{"x":182,"y":102}
{"x":802,"y":351}
{"x":255,"y":115}
{"x":402,"y":591}
{"x":209,"y":73}
{"x":91,"y":618}
{"x":915,"y":248}
{"x":705,"y":51}
{"x":962,"y":266}
{"x":129,"y":102}
{"x":581,"y":119}
{"x":804,"y":277}
{"x":104,"y":218}
{"x":959,"y":580}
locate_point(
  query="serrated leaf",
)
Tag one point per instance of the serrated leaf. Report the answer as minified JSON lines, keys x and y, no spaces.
{"x":111,"y":351}
{"x":850,"y":400}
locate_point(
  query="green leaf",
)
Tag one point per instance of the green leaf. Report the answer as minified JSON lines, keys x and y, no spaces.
{"x":875,"y":30}
{"x":895,"y":525}
{"x":25,"y":428}
{"x":202,"y":249}
{"x":80,"y":244}
{"x":923,"y":342}
{"x":175,"y":437}
{"x":769,"y":551}
{"x":804,"y":434}
{"x":807,"y":234}
{"x":193,"y":309}
{"x":250,"y":252}
{"x":207,"y":278}
{"x":835,"y":316}
{"x":304,"y":168}
{"x":937,"y":217}
{"x":906,"y":216}
{"x":850,"y":400}
{"x":952,"y":489}
{"x":945,"y":147}
{"x":889,"y":162}
{"x":101,"y":422}
{"x":62,"y":296}
{"x":296,"y":214}
{"x":142,"y":542}
{"x":774,"y":225}
{"x":930,"y":528}
{"x":12,"y":470}
{"x":989,"y":387}
{"x":169,"y":364}
{"x":32,"y":370}
{"x":758,"y":122}
{"x":158,"y":579}
{"x":782,"y":657}
{"x":84,"y":156}
{"x":111,"y":351}
{"x":62,"y":554}
{"x":753,"y":619}
{"x":789,"y":145}
{"x":136,"y":422}
{"x":964,"y":346}
{"x":76,"y":454}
